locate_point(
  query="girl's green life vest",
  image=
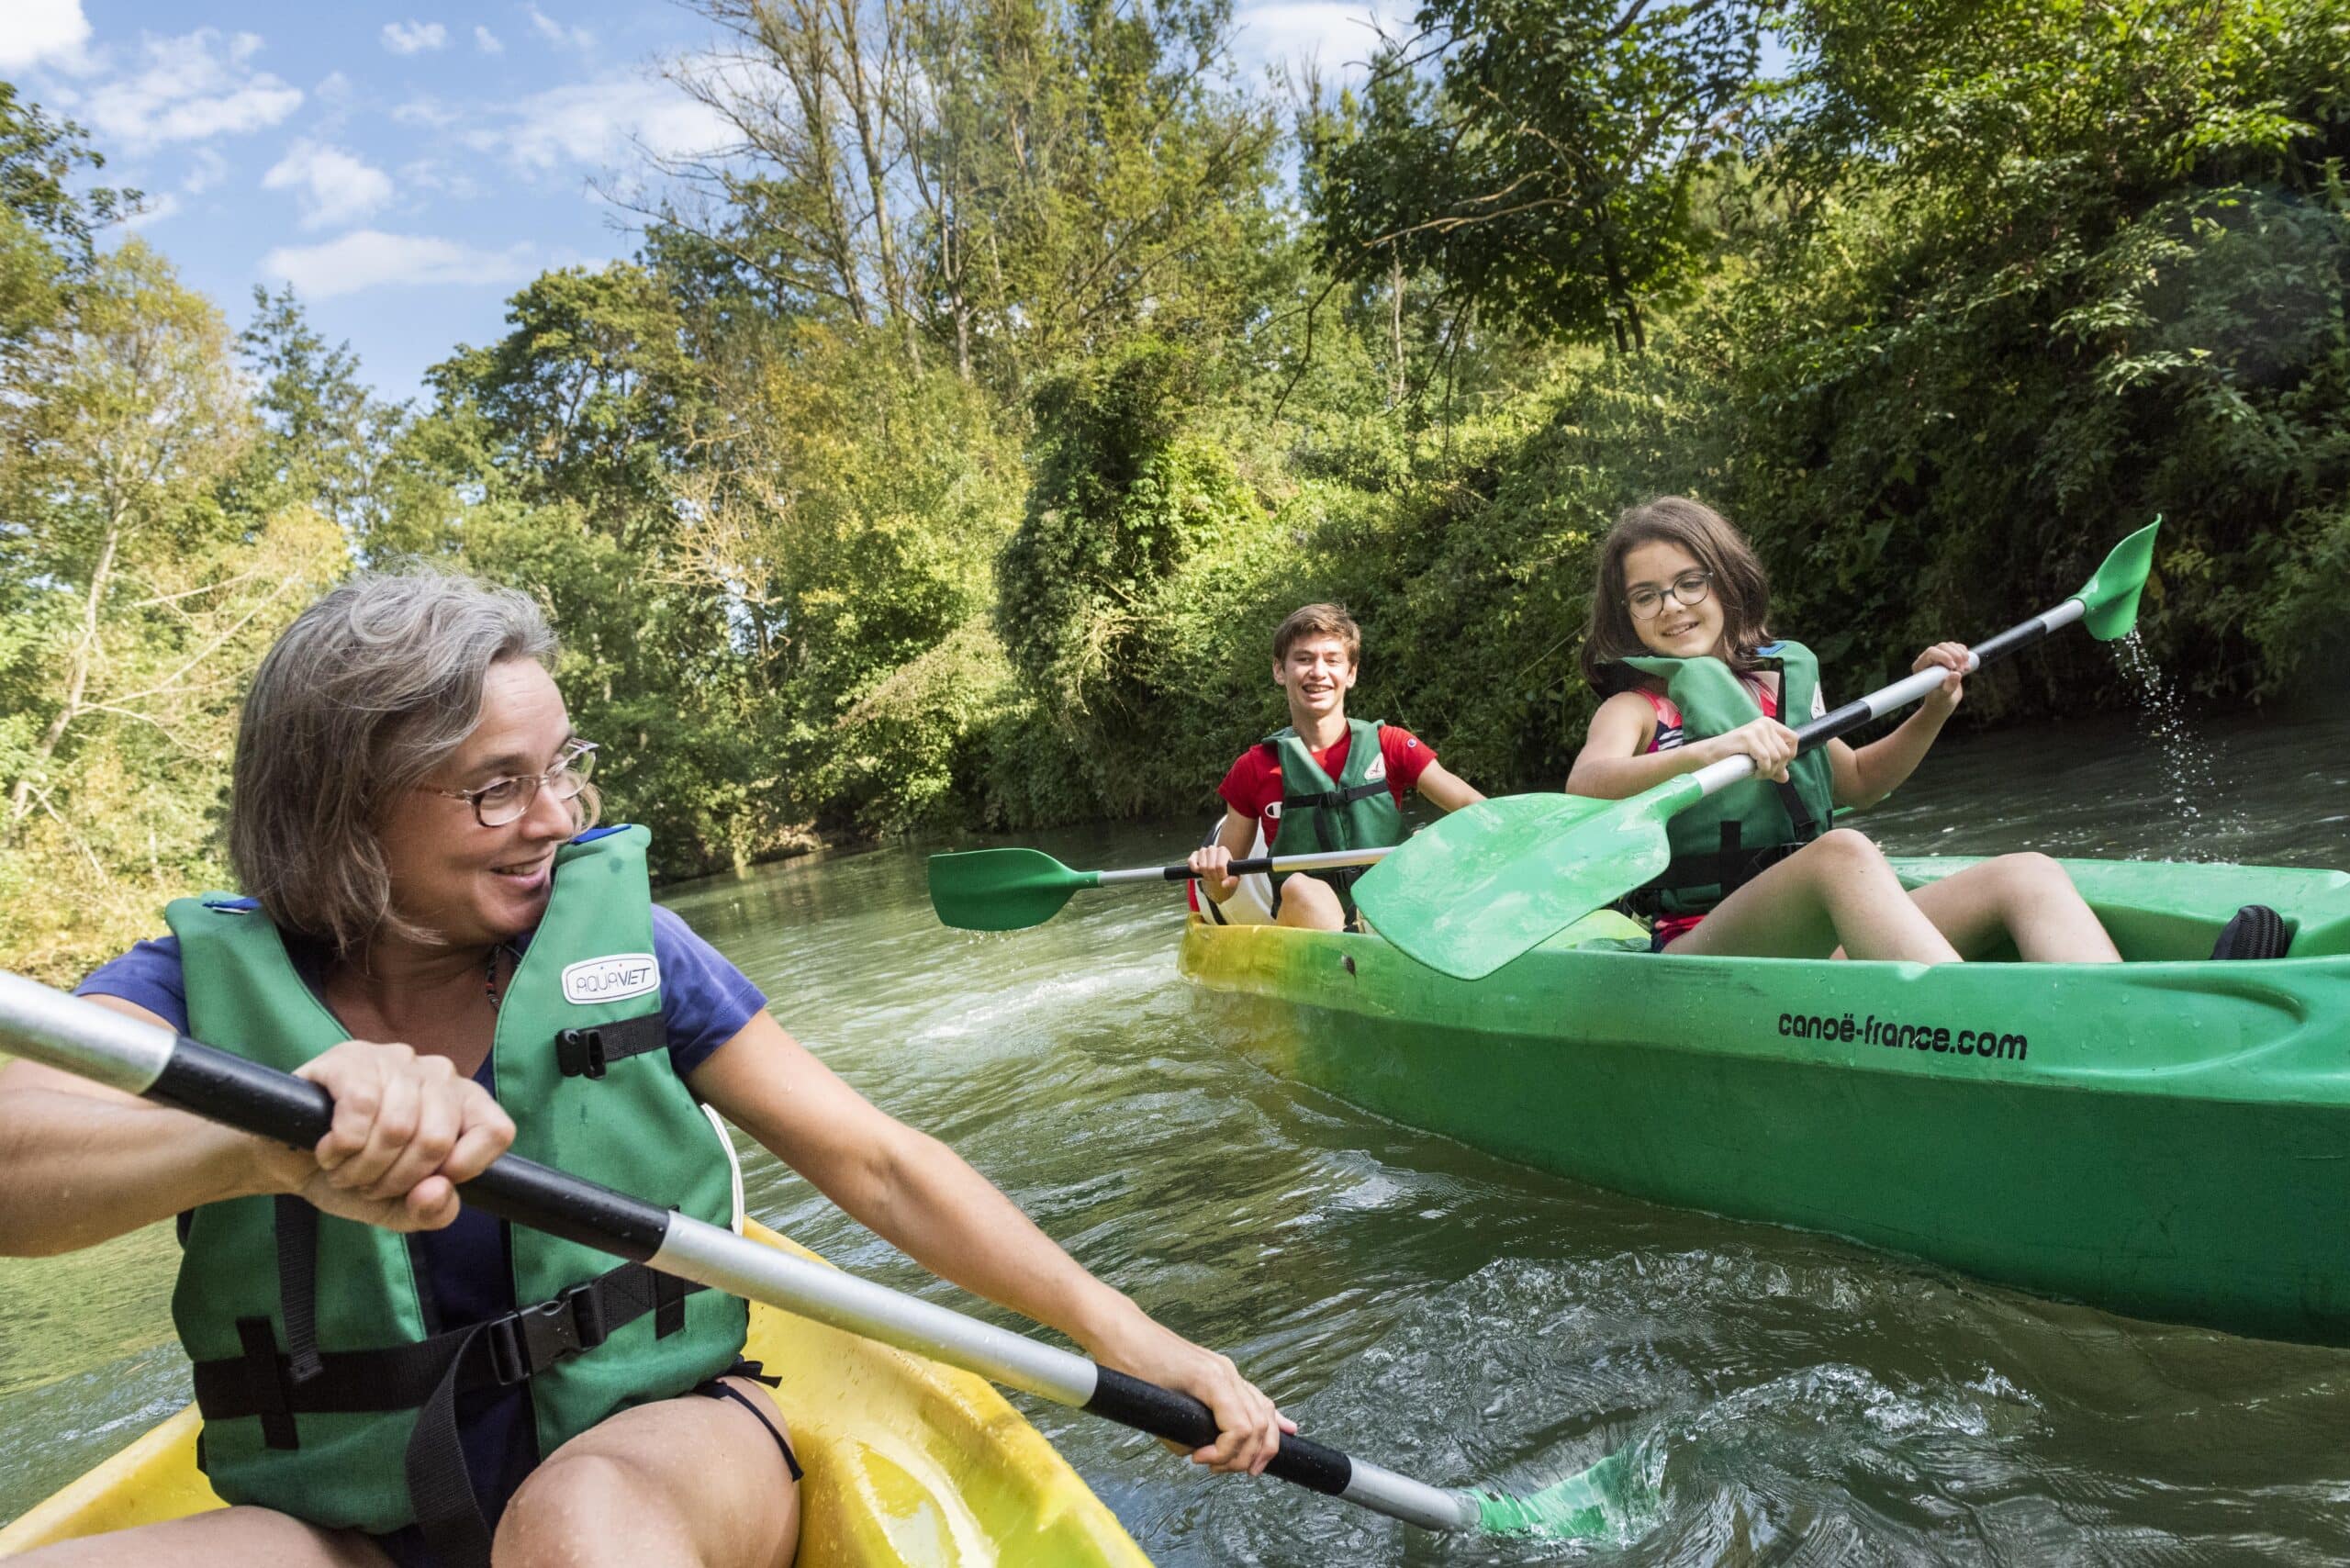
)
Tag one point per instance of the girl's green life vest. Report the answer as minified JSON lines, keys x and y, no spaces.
{"x":1357,"y":811}
{"x":1713,"y":702}
{"x":636,"y":1127}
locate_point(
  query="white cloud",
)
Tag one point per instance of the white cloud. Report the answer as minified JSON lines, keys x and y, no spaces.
{"x":1342,"y":37}
{"x":38,"y":30}
{"x":206,"y":170}
{"x":487,"y":41}
{"x":333,"y":88}
{"x":431,"y":174}
{"x":598,"y":123}
{"x":370,"y":258}
{"x":414,"y":38}
{"x":555,"y":33}
{"x":191,"y":88}
{"x":334,"y":186}
{"x":430,"y":113}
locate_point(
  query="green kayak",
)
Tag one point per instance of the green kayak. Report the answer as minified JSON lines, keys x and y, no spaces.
{"x":2168,"y":1137}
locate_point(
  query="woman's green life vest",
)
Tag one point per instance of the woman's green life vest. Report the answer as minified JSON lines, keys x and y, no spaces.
{"x":1728,"y":836}
{"x":1357,"y":811}
{"x":634,"y":1127}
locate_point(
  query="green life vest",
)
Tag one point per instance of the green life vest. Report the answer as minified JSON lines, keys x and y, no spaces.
{"x":326,"y":1381}
{"x":1357,"y":811}
{"x":1723,"y":841}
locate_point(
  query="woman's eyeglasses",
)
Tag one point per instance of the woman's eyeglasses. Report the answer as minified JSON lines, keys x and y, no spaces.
{"x":504,"y":801}
{"x":1689,"y":587}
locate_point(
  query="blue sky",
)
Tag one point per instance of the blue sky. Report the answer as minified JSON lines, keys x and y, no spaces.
{"x":407,"y":170}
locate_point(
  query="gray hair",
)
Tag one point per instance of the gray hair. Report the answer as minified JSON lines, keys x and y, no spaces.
{"x":361,"y":700}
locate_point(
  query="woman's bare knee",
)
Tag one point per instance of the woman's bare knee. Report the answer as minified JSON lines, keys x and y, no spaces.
{"x":575,"y":1500}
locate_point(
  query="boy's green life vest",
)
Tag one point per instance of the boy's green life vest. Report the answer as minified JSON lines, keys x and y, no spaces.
{"x":1357,"y":811}
{"x":1723,"y":840}
{"x":311,"y":1422}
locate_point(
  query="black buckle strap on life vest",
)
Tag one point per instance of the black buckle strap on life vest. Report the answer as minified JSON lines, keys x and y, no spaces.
{"x":296,"y":1226}
{"x":427,"y":1376}
{"x":520,"y":1345}
{"x":587,"y":1051}
{"x":1333,"y":800}
{"x":260,"y":1364}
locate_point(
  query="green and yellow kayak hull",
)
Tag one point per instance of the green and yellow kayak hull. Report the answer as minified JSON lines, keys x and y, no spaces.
{"x":2168,"y":1137}
{"x":909,"y":1463}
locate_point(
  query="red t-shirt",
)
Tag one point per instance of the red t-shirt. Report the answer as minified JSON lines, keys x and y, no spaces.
{"x":1253,"y":787}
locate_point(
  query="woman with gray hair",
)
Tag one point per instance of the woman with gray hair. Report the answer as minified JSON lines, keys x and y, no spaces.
{"x":386,"y":1376}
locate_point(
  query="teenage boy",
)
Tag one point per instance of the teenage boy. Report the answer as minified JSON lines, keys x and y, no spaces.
{"x":1325,"y":782}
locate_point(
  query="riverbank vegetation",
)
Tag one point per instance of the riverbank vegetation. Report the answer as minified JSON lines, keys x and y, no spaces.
{"x":946,"y":452}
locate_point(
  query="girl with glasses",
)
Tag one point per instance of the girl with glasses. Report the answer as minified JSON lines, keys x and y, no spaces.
{"x":1678,"y":645}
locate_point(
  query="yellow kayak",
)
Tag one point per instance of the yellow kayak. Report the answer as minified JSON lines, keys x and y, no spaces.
{"x":908,"y":1461}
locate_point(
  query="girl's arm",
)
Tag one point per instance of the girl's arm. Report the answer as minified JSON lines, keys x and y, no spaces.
{"x":85,"y":1163}
{"x":1864,"y":777}
{"x":1612,"y":766}
{"x":918,"y":1194}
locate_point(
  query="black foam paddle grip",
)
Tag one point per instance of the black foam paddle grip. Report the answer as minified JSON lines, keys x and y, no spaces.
{"x":1163,"y":1413}
{"x":295,"y":1111}
{"x":1236,"y":869}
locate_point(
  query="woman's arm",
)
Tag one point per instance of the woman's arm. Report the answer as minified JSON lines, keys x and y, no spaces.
{"x":1445,"y":788}
{"x":1616,"y":764}
{"x":1865,"y":775}
{"x":918,"y":1194}
{"x":84,"y":1164}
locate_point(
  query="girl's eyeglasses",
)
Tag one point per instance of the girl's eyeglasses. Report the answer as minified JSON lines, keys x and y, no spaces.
{"x":504,"y":801}
{"x":1689,"y":587}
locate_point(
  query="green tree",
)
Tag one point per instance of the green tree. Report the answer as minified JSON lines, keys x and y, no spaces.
{"x":1539,"y":155}
{"x":136,"y":604}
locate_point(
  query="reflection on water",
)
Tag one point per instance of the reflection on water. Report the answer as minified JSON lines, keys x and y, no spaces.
{"x":1793,"y":1398}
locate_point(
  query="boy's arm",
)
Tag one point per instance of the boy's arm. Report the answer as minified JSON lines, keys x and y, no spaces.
{"x":1445,"y":788}
{"x":1235,"y":837}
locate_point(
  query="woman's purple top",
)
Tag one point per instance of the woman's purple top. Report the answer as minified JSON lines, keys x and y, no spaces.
{"x":705,"y":1001}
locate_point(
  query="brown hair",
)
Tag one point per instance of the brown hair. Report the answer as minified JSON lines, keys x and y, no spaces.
{"x":363,"y":698}
{"x":1740,"y":586}
{"x":1318,"y":621}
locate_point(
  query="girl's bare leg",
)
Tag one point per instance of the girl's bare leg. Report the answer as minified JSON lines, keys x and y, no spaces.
{"x":230,"y":1537}
{"x":1836,"y":889}
{"x":2027,"y":897}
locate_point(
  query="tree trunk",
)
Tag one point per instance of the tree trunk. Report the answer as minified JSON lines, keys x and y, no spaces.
{"x":1396,"y":325}
{"x":77,"y":679}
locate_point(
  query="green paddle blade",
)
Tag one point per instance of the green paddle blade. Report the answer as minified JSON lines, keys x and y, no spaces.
{"x":1002,"y":889}
{"x":2110,"y":596}
{"x":1597,"y":1502}
{"x":1462,"y":894}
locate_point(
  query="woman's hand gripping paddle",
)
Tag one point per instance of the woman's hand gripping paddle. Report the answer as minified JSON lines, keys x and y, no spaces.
{"x":104,"y":1046}
{"x":1474,"y":891}
{"x":1012,"y":890}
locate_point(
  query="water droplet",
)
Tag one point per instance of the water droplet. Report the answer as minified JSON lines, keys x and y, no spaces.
{"x":2189,"y":760}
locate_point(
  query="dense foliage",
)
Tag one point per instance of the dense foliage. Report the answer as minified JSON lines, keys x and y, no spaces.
{"x":943,"y":460}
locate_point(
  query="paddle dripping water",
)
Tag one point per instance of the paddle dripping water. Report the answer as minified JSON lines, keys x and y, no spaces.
{"x":2191,"y":763}
{"x":1782,"y":1396}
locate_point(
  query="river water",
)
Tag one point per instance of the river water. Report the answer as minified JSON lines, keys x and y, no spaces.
{"x":1794,"y":1398}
